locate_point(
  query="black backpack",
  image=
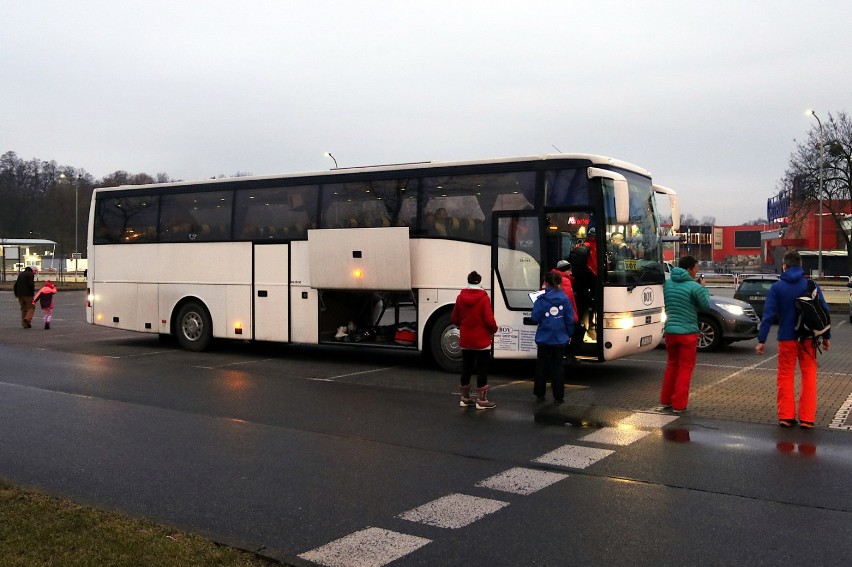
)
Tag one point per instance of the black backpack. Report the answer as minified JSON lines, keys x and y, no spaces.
{"x":812,"y":321}
{"x":45,"y":300}
{"x":579,"y":258}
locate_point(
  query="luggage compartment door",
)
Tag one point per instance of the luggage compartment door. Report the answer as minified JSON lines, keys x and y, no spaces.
{"x":271,"y":292}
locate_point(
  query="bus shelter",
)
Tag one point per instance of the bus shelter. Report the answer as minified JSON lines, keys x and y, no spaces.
{"x":18,"y":253}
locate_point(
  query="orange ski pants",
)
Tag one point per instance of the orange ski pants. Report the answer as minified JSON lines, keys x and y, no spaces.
{"x":788,"y":353}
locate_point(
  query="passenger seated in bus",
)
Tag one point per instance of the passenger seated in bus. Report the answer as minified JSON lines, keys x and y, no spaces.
{"x":442,"y":222}
{"x":619,"y":249}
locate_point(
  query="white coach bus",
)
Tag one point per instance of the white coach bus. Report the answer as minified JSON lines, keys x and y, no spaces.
{"x":375,"y":256}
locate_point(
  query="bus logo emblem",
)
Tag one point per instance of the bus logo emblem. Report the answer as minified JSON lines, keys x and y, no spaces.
{"x":647,"y":296}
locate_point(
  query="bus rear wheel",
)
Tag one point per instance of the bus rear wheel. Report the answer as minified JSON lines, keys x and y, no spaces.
{"x":193,"y":329}
{"x":444,"y":344}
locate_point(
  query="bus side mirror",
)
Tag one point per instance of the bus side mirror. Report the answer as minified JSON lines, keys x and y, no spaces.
{"x":620,"y":192}
{"x":674,"y":204}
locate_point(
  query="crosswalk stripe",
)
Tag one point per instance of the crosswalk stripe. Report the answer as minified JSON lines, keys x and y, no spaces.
{"x":647,"y":419}
{"x":372,"y":547}
{"x":521,"y":481}
{"x":573,"y":456}
{"x":453,"y":511}
{"x":615,"y":435}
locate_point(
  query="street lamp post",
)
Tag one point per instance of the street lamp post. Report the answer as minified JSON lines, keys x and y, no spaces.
{"x":821,"y":165}
{"x":75,"y":254}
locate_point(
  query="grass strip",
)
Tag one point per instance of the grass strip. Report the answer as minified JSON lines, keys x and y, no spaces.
{"x":41,"y":530}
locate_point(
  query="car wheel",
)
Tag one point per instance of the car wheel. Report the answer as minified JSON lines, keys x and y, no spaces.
{"x":709,"y":334}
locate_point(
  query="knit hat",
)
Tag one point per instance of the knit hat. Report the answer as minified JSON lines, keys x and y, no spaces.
{"x":563,"y":265}
{"x":473,"y":278}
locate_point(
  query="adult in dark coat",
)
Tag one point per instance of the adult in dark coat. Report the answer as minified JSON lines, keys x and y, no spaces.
{"x":25,"y":291}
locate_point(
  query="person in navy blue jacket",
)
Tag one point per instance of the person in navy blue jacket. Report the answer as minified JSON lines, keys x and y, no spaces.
{"x":553,"y":314}
{"x":781,"y":302}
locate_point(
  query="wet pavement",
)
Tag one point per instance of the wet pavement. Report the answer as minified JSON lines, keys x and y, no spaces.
{"x":323,"y":454}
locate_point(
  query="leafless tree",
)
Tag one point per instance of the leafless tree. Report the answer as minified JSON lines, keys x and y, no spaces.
{"x":801,"y":180}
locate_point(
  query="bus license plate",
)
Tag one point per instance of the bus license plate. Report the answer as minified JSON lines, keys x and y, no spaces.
{"x":645,"y":341}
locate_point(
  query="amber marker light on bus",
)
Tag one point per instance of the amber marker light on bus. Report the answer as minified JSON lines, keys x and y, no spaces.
{"x":238,"y":328}
{"x":358,"y":273}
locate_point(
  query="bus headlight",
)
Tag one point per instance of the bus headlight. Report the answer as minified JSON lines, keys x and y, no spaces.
{"x":618,"y":320}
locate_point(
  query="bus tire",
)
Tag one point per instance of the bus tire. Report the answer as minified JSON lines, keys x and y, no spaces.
{"x":193,"y":327}
{"x":709,"y":334}
{"x":444,"y":344}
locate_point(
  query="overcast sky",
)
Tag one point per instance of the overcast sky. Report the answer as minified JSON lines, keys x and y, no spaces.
{"x":708,"y":96}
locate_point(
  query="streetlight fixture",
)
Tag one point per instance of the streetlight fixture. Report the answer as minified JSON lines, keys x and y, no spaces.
{"x":821,"y":165}
{"x":328,"y":154}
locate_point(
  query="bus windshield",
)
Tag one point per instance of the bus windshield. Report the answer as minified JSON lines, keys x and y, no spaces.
{"x":633,"y":250}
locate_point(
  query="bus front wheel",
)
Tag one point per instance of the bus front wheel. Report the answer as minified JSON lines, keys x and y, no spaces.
{"x":193,"y":329}
{"x":444,"y":344}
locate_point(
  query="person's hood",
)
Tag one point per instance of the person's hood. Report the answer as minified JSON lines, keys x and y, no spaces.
{"x":793,"y":274}
{"x":49,"y":285}
{"x":680,"y":275}
{"x":552,"y":296}
{"x":470,"y":296}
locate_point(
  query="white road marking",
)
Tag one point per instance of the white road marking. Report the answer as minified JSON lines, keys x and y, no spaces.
{"x":372,"y":547}
{"x":643,"y":419}
{"x":333,"y":378}
{"x":512,"y":383}
{"x":453,"y":511}
{"x":378,"y":547}
{"x":615,"y":435}
{"x":521,"y":481}
{"x":842,"y":415}
{"x":573,"y":456}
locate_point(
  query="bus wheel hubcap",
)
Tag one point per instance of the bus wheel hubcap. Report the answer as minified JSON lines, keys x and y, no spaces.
{"x":192,"y":326}
{"x":450,"y":343}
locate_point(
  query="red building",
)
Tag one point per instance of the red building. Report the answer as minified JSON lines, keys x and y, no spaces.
{"x":761,"y":248}
{"x":805,"y":239}
{"x":726,"y":248}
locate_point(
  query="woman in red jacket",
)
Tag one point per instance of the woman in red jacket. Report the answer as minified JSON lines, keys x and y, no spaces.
{"x":473,"y":314}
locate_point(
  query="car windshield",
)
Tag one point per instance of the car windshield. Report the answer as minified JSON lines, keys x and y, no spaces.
{"x":756,"y":286}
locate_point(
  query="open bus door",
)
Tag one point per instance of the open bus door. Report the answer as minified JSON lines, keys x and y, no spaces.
{"x":516,"y":265}
{"x":566,"y":235}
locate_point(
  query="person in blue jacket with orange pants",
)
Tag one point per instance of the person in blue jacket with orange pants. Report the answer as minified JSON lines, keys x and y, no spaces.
{"x":781,"y":303}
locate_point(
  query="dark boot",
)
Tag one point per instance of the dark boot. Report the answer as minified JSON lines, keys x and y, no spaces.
{"x":482,"y":401}
{"x":46,"y":326}
{"x":465,"y":400}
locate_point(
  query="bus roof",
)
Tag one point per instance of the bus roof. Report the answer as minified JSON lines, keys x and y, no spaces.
{"x":592,"y":158}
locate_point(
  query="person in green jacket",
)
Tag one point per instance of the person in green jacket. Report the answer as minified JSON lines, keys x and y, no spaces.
{"x":684,"y":298}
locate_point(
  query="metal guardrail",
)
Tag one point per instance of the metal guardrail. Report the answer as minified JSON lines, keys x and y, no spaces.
{"x":713,"y":278}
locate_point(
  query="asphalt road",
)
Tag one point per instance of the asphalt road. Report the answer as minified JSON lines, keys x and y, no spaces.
{"x":347,"y":457}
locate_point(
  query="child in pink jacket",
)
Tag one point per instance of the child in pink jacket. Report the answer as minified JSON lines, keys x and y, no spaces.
{"x":45,"y":298}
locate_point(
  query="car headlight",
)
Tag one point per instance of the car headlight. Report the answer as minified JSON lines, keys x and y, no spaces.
{"x":731,"y":308}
